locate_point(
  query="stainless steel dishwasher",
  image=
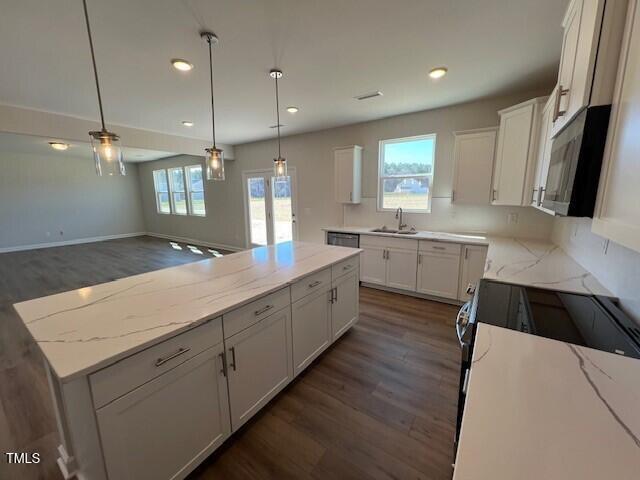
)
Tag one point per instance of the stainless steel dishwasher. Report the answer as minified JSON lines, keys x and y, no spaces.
{"x":343,"y":239}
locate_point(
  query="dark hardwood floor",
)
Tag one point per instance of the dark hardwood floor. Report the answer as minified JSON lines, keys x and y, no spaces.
{"x":379,"y":404}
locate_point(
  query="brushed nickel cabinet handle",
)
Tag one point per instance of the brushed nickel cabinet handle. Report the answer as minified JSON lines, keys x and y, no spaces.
{"x":438,"y":248}
{"x":419,"y":259}
{"x":233,"y":358}
{"x":335,"y":297}
{"x":263,"y":310}
{"x":315,"y":284}
{"x":557,"y":113}
{"x":223,"y":360}
{"x":494,"y":195}
{"x":177,"y":353}
{"x":347,"y":267}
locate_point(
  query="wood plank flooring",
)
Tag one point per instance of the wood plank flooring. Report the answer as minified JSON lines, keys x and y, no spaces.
{"x":379,"y":404}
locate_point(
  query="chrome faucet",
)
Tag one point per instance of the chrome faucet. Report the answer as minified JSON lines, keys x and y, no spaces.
{"x":399,"y":217}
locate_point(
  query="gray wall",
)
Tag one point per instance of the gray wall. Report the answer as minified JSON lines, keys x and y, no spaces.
{"x":615,"y":266}
{"x":224,"y":223}
{"x":56,"y":198}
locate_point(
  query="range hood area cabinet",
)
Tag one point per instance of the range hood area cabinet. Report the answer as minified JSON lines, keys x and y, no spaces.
{"x":473,"y":154}
{"x":543,"y":158}
{"x":348,"y":174}
{"x":590,"y":47}
{"x":617,"y":215}
{"x":515,"y":161}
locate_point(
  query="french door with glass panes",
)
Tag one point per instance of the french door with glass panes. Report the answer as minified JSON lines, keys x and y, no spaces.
{"x":270,"y":207}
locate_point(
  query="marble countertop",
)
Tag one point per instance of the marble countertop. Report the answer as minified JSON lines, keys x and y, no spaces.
{"x":542,"y":409}
{"x":539,"y":264}
{"x":469,"y":239}
{"x":536,"y":263}
{"x":84,"y":330}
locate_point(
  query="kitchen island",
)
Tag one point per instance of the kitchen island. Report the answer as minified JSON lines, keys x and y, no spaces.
{"x":151,"y":373}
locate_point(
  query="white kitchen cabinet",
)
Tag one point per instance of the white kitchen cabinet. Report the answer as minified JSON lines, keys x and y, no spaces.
{"x":473,"y":262}
{"x":401,"y":268}
{"x":590,"y":50}
{"x":438,"y":274}
{"x":516,"y":153}
{"x":617,"y":214}
{"x":348,"y":174}
{"x":389,"y":261}
{"x":311,"y":327}
{"x":259,"y":364}
{"x":345,"y":303}
{"x":473,"y":154}
{"x":373,"y":264}
{"x":167,"y":426}
{"x":543,"y":154}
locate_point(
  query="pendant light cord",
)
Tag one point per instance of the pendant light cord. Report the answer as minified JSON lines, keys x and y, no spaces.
{"x":93,"y":59}
{"x":278,"y":116}
{"x":213,"y":118}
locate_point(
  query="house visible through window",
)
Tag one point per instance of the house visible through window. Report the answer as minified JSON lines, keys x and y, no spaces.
{"x":405,"y":173}
{"x":162,"y":191}
{"x":180,"y":191}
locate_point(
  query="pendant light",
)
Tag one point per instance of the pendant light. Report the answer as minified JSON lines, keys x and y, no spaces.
{"x":214,"y":158}
{"x":107,"y":152}
{"x":279,"y":163}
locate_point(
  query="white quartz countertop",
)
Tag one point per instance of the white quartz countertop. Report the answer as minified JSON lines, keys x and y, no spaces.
{"x":83,"y":330}
{"x":469,"y":239}
{"x":542,"y":409}
{"x":535,"y":263}
{"x":539,"y":264}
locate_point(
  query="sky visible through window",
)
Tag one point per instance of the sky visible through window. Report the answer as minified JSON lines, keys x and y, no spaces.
{"x":409,"y":158}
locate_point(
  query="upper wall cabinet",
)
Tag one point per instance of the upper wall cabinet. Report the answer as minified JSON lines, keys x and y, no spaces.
{"x":590,"y":47}
{"x":516,"y":153}
{"x":543,"y":155}
{"x":473,"y":155}
{"x":617,"y":214}
{"x":348,"y":174}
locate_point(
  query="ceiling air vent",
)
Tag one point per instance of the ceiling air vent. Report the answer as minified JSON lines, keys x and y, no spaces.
{"x":369,"y":95}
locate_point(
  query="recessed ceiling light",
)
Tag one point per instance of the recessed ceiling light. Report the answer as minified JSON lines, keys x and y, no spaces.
{"x":292,"y":109}
{"x":438,"y":72}
{"x":182,"y":65}
{"x":59,"y":145}
{"x":187,"y":123}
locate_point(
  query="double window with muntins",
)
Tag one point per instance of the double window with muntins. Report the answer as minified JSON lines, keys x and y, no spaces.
{"x":180,"y":191}
{"x":405,"y":173}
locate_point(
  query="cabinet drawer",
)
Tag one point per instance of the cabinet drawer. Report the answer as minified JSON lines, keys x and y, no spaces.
{"x":389,"y":242}
{"x":346,"y":266}
{"x":315,"y":282}
{"x":122,"y":377}
{"x":243,"y":317}
{"x":440,"y":247}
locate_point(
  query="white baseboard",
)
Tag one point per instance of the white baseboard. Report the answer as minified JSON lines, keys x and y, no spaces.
{"x":76,"y":241}
{"x":194,"y":241}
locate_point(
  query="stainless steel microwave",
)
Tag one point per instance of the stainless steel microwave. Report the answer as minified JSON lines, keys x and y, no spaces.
{"x":576,"y":159}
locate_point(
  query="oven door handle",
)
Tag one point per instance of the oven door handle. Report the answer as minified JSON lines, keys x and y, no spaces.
{"x":463,"y":315}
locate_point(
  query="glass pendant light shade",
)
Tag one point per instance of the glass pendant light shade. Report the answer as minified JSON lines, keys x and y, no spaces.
{"x":280,"y":168}
{"x":107,"y":153}
{"x":214,"y":161}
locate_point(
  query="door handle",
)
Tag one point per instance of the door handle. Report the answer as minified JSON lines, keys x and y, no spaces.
{"x":494,"y":195}
{"x":335,"y":298}
{"x":315,"y":284}
{"x":177,"y":353}
{"x":233,"y":358}
{"x":223,"y":371}
{"x":557,"y":113}
{"x":419,"y":259}
{"x":263,"y":310}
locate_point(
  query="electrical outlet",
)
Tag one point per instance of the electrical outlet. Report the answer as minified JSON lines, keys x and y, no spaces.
{"x":512,"y":218}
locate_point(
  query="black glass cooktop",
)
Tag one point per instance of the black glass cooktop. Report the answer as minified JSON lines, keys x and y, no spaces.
{"x":592,"y":321}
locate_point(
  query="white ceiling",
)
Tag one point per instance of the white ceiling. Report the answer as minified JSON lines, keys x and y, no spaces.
{"x":330,"y":51}
{"x":29,"y":144}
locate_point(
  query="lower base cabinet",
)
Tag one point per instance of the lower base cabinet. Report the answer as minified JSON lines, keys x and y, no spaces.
{"x":438,"y":274}
{"x":166,"y":427}
{"x":345,"y":301}
{"x":259,"y":365}
{"x":311,"y":327}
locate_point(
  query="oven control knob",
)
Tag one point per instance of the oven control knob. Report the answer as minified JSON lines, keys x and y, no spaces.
{"x":471,"y":289}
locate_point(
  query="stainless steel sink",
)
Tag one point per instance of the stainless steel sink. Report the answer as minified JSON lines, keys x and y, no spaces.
{"x":406,"y":232}
{"x":384,"y":230}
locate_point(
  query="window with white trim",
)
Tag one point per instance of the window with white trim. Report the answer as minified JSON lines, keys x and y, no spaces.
{"x":405,"y":173}
{"x":180,"y":191}
{"x":161,"y":185}
{"x":195,"y":188}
